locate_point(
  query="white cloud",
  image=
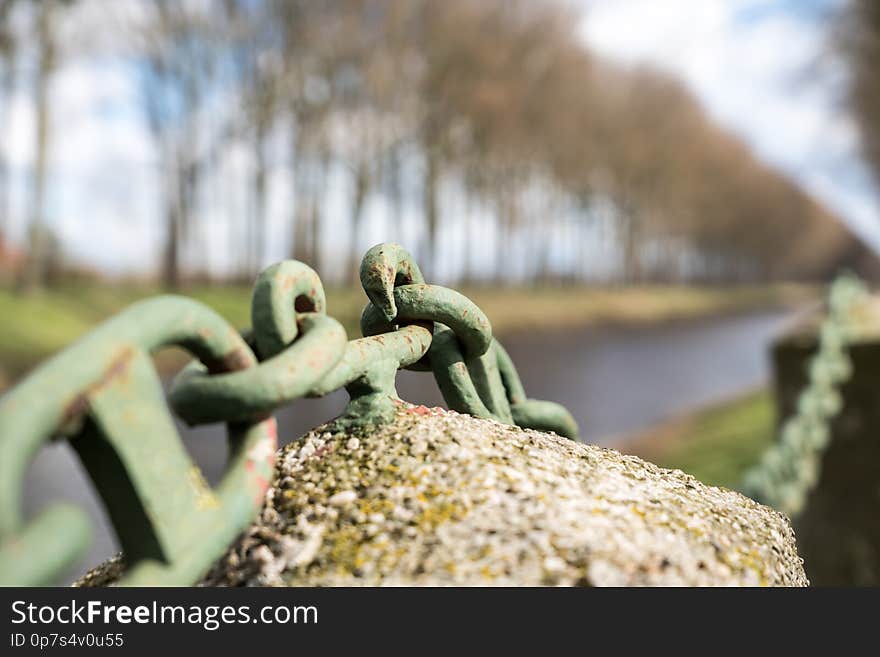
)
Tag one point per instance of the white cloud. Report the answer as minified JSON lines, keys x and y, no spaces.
{"x":100,"y":194}
{"x":102,"y":200}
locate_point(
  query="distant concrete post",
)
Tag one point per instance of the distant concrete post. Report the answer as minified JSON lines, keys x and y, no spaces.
{"x":838,"y":532}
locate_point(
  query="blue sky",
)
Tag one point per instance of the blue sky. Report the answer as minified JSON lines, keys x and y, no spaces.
{"x":765,"y":70}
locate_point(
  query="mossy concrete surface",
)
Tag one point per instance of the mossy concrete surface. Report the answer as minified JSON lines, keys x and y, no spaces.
{"x":439,"y":498}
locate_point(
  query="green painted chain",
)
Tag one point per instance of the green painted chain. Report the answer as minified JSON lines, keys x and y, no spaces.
{"x":790,"y":469}
{"x":103,"y":395}
{"x":472,"y":369}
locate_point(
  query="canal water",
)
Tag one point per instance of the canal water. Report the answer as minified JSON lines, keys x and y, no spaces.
{"x":614,"y":380}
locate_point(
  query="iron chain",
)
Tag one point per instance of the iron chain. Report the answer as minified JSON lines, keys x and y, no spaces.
{"x":104,"y":396}
{"x":791,"y":468}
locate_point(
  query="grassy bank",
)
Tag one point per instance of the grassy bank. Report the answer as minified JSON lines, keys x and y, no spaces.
{"x":716,"y":444}
{"x":35,"y":327}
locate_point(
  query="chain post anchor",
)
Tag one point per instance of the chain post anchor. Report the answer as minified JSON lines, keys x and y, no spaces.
{"x":373,"y":398}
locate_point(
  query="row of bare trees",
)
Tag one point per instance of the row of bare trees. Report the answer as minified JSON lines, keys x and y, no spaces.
{"x":488,"y":115}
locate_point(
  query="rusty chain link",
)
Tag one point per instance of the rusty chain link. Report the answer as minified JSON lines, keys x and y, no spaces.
{"x":472,"y":369}
{"x":103,"y":395}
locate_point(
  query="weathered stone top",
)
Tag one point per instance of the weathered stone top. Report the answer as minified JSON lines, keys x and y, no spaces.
{"x":439,"y":498}
{"x":443,"y":498}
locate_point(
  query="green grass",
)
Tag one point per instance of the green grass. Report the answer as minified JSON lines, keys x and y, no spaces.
{"x":716,"y":444}
{"x":32,"y":328}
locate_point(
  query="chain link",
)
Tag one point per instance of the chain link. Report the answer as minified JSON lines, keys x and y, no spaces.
{"x":472,"y":369}
{"x":104,"y":396}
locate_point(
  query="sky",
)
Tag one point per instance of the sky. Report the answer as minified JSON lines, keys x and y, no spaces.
{"x":760,"y":67}
{"x":765,"y":70}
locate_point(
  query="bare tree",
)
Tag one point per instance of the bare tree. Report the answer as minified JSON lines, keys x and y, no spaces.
{"x":859,"y":41}
{"x":254,"y":36}
{"x":34,"y":272}
{"x":176,"y":48}
{"x":8,"y":56}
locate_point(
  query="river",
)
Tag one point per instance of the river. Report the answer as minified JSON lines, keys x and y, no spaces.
{"x":614,"y":381}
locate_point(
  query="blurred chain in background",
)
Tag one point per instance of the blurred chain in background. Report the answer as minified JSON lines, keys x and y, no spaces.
{"x":790,"y":469}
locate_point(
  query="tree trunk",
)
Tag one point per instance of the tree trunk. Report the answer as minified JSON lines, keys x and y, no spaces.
{"x":359,"y":195}
{"x":171,"y":253}
{"x":309,"y":183}
{"x":302,"y":217}
{"x":541,"y":229}
{"x":505,"y":221}
{"x":467,"y":276}
{"x":300,"y":249}
{"x":395,"y":190}
{"x":300,"y":233}
{"x":5,"y":205}
{"x":259,"y":215}
{"x":317,"y":211}
{"x":631,"y":235}
{"x":6,"y":91}
{"x":430,"y":209}
{"x":34,"y":272}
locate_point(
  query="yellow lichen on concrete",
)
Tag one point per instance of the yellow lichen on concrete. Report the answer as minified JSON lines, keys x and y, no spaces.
{"x":442,"y":498}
